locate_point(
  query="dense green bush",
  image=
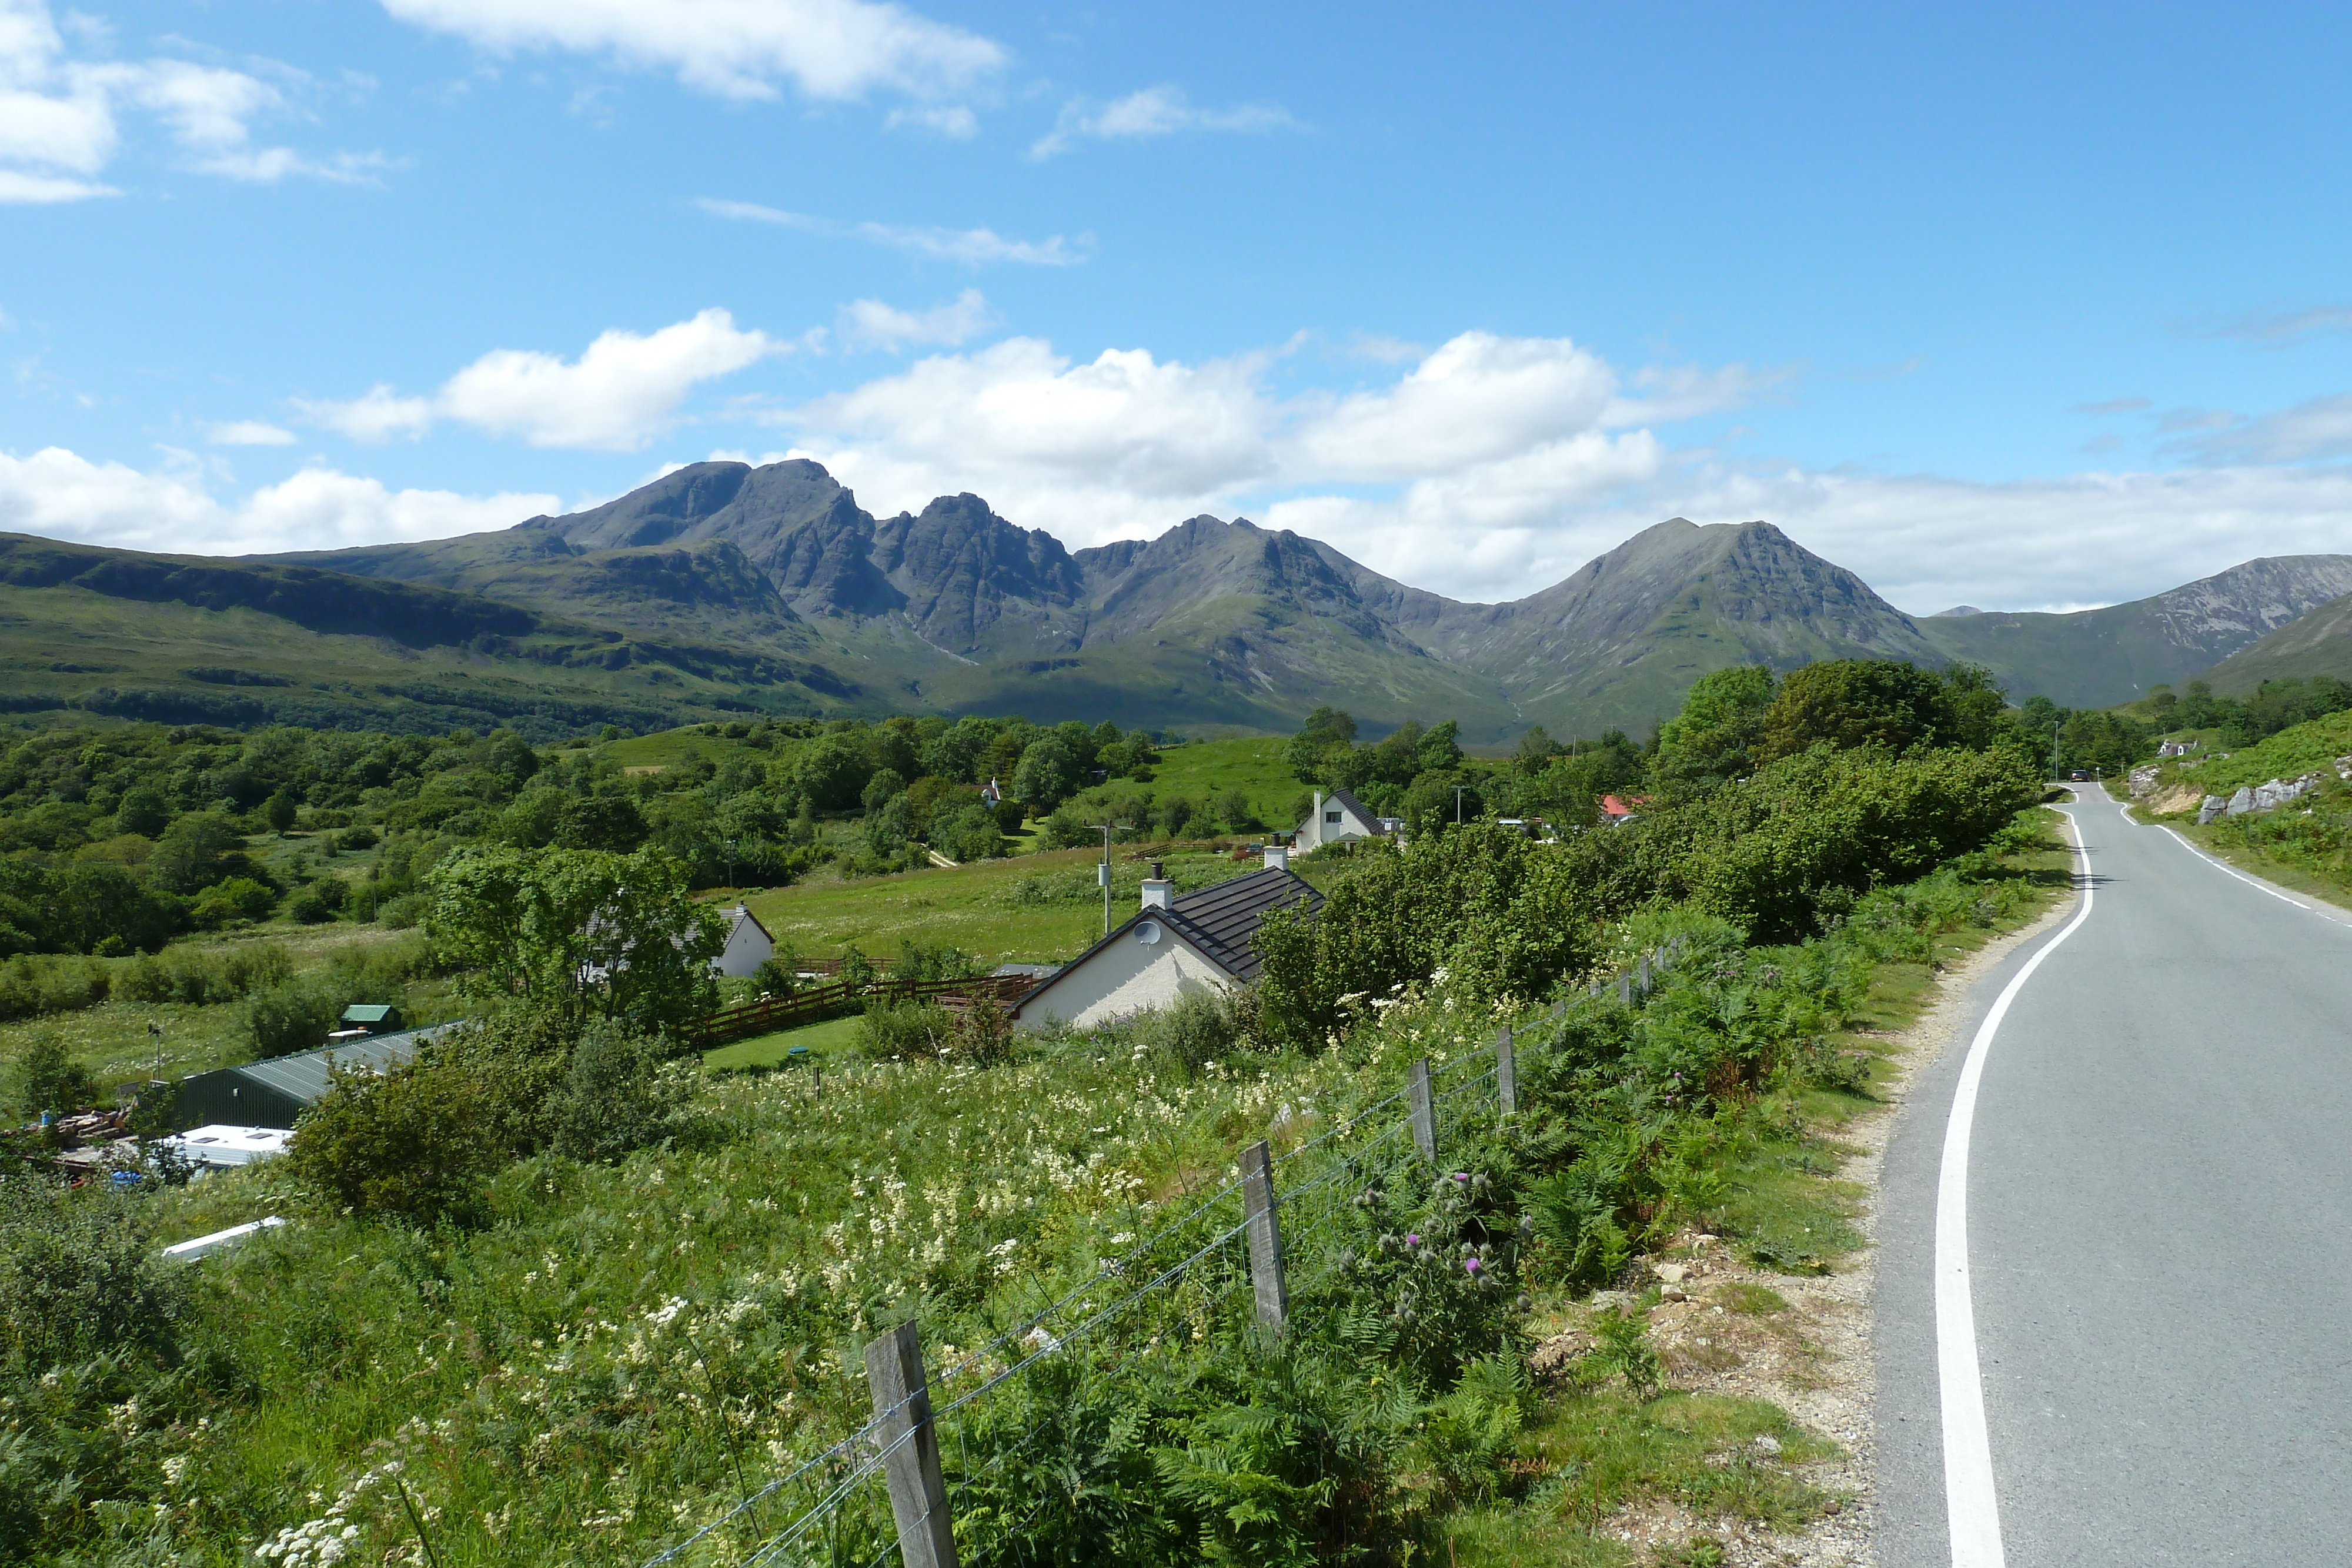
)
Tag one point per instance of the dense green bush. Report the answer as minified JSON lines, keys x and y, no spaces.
{"x":616,"y":1097}
{"x":404,"y":1145}
{"x":296,"y":1016}
{"x":31,"y":986}
{"x":46,"y":1077}
{"x":197,"y":977}
{"x":1502,"y":914}
{"x":232,"y":901}
{"x":1765,"y":854}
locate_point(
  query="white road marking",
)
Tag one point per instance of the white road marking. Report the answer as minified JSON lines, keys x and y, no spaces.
{"x":1969,"y":1500}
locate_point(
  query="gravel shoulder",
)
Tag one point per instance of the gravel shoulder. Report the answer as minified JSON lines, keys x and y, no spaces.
{"x":1716,"y":1331}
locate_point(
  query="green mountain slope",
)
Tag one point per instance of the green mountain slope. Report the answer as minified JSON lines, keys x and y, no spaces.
{"x":2094,"y":658}
{"x":723,"y":583}
{"x":2316,"y":644}
{"x":195,"y":640}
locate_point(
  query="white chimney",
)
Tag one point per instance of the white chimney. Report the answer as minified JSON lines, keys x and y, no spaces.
{"x":1315,"y":822}
{"x":1158,"y":891}
{"x":1278,"y":857}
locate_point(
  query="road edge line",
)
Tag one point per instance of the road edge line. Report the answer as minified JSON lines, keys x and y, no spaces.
{"x":1971,"y":1505}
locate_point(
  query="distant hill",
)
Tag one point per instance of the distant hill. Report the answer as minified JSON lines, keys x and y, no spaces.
{"x":2316,"y":644}
{"x":197,"y":639}
{"x":728,"y":586}
{"x":2095,"y":658}
{"x":1211,"y":623}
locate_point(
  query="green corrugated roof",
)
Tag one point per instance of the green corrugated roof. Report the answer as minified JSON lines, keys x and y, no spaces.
{"x":368,"y":1012}
{"x":303,"y":1076}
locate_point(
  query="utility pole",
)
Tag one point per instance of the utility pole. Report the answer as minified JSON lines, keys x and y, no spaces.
{"x":2054,"y":748}
{"x":731,"y":865}
{"x":1104,"y":875}
{"x":1457,"y":803}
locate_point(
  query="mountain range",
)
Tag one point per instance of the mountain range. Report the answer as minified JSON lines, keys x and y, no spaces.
{"x":727,"y":587}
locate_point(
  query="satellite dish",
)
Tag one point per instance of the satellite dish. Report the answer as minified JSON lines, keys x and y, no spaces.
{"x":1147,"y":933}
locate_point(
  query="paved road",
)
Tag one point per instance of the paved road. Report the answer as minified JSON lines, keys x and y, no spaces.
{"x":2158,"y":1237}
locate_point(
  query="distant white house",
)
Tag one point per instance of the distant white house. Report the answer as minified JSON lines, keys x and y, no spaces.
{"x":990,"y":795}
{"x":1170,"y":947}
{"x":748,"y":946}
{"x":1338,"y":817}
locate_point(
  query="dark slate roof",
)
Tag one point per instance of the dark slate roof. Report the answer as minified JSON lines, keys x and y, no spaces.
{"x":302,"y":1077}
{"x":1340,"y":798}
{"x":1218,"y":922}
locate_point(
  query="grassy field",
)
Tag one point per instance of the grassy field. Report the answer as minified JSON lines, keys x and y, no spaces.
{"x":626,"y":1350}
{"x":825,"y":1043}
{"x":1033,"y":909}
{"x":114,"y":1040}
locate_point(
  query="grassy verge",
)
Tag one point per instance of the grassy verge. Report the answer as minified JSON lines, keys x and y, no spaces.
{"x":825,"y":1042}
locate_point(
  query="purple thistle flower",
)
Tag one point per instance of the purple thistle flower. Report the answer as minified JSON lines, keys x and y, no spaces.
{"x":1413,"y":1238}
{"x":1470,"y":1265}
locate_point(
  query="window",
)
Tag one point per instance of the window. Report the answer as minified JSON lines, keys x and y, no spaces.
{"x":1330,"y":816}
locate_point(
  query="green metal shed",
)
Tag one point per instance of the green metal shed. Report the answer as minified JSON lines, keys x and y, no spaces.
{"x":272,"y":1094}
{"x":376,"y":1017}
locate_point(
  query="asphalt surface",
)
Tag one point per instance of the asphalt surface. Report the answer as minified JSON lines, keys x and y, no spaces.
{"x":2158,"y":1232}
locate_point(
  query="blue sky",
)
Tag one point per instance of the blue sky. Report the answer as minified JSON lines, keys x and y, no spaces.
{"x":2019,"y":307}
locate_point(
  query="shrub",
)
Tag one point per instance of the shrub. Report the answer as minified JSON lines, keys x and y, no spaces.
{"x":406,"y":1144}
{"x":615,"y":1097}
{"x":968,"y":833}
{"x":1198,"y":1028}
{"x":78,"y":1278}
{"x":317,"y":903}
{"x":293,"y":1016}
{"x":898,"y":1031}
{"x":233,"y":900}
{"x":1063,"y":831}
{"x":194,"y":978}
{"x":45,"y":1078}
{"x":30,"y":987}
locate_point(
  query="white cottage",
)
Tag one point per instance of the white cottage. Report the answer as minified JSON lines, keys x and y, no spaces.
{"x":1337,"y":818}
{"x":1171,"y":945}
{"x":748,"y":946}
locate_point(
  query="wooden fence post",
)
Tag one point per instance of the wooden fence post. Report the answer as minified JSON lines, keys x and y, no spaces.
{"x":1625,"y":988}
{"x":902,"y":1409}
{"x":1507,"y":1074}
{"x":1645,"y":976}
{"x":1265,"y":1224}
{"x":1425,"y":1114}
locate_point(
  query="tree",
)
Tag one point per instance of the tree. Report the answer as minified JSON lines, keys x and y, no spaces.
{"x":280,"y":809}
{"x":611,"y":823}
{"x":967,"y":833}
{"x":886,"y":785}
{"x":891,"y":826}
{"x":1308,"y":755}
{"x":1848,"y":703}
{"x":46,"y":1078}
{"x":1535,"y":750}
{"x":1050,"y":772}
{"x":833,"y":772}
{"x":143,"y":811}
{"x":194,"y":852}
{"x":1439,"y":748}
{"x":576,"y":934}
{"x":1713,"y":739}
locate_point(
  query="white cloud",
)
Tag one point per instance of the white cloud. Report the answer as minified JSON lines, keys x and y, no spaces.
{"x":248,"y":432}
{"x":612,"y":399}
{"x":870,"y":324}
{"x":1925,"y":542}
{"x":1155,"y":111}
{"x":1493,"y":466}
{"x":1483,"y":436}
{"x":60,"y":494}
{"x":2321,"y":428}
{"x":828,"y":49}
{"x":58,"y":115}
{"x":973,"y":247}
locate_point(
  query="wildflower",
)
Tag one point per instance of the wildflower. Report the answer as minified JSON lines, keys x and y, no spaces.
{"x":1470,"y":1266}
{"x":1413,"y":1238}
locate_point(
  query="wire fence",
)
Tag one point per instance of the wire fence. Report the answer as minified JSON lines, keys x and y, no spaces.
{"x":981,"y":1434}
